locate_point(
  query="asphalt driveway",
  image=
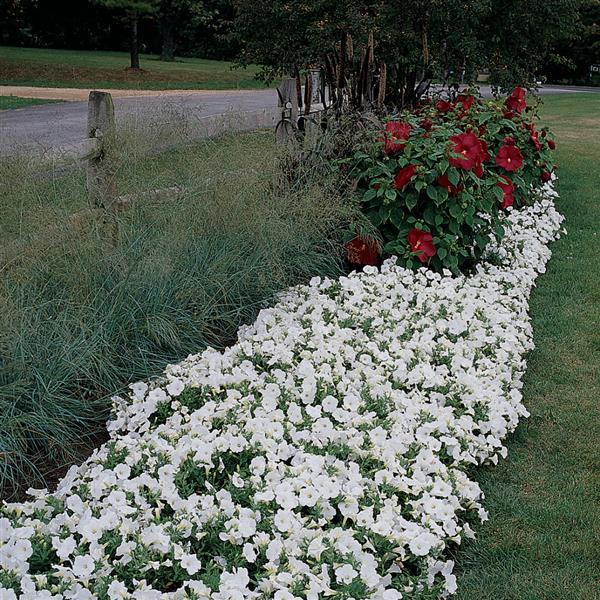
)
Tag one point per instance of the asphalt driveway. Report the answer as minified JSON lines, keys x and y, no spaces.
{"x":46,"y":127}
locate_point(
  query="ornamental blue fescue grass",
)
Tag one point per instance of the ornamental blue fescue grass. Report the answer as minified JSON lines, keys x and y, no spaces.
{"x":82,"y":316}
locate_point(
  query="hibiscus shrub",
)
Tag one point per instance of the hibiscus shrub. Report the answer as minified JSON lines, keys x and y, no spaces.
{"x":437,"y":180}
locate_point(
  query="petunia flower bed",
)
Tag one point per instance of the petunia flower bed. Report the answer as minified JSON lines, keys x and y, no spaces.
{"x":437,"y":180}
{"x":325,"y":454}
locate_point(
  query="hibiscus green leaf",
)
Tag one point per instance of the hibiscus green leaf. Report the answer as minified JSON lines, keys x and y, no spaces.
{"x":373,"y":216}
{"x":397,"y":216}
{"x":370,"y":194}
{"x":442,"y":252}
{"x":390,"y":194}
{"x":453,"y":176}
{"x":429,"y":214}
{"x":432,"y":192}
{"x":455,"y":210}
{"x":411,"y":200}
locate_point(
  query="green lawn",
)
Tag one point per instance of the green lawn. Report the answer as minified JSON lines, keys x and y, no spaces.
{"x":542,"y":540}
{"x":8,"y":102}
{"x":82,"y":69}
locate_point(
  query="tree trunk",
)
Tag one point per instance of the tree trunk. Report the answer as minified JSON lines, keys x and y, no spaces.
{"x":134,"y":46}
{"x":167,"y":32}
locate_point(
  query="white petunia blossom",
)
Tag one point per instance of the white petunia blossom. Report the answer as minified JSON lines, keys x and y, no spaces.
{"x":328,"y":447}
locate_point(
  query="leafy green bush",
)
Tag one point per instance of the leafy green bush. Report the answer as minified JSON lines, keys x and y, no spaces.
{"x":436,"y":180}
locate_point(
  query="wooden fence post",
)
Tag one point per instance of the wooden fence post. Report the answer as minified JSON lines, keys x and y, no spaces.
{"x":101,"y":127}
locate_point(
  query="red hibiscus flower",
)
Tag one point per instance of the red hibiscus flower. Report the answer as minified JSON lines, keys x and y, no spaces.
{"x":465,"y":100}
{"x":444,"y":106}
{"x":507,"y":201}
{"x":508,"y":188}
{"x":426,"y":124}
{"x":404,"y":176}
{"x":362,"y":251}
{"x":551,"y":144}
{"x":421,"y":244}
{"x":396,"y":135}
{"x":444,"y":182}
{"x":546,"y":176}
{"x":516,"y":103}
{"x":471,"y":152}
{"x":509,"y":158}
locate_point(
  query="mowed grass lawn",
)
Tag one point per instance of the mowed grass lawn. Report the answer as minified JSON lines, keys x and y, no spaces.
{"x":543,"y":538}
{"x":82,"y":69}
{"x":9,"y":102}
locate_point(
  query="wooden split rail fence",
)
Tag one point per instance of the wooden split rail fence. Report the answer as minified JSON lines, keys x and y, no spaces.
{"x":97,"y":149}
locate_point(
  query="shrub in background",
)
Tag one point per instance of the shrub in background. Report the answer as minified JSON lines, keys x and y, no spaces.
{"x":436,"y":180}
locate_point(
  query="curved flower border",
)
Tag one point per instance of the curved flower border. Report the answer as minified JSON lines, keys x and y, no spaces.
{"x":325,"y":454}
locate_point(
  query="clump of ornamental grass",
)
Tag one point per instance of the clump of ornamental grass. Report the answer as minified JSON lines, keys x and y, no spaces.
{"x":88,"y":308}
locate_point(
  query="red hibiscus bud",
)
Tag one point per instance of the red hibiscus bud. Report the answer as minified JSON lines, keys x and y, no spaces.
{"x":421,"y":243}
{"x":546,"y":176}
{"x":362,"y":251}
{"x":404,"y":176}
{"x":444,"y":182}
{"x":426,"y":124}
{"x":551,"y":144}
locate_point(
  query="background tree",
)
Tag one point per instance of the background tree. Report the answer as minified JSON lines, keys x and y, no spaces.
{"x":133,"y":10}
{"x":571,"y":60}
{"x":172,"y":15}
{"x":408,"y":44}
{"x":521,"y":35}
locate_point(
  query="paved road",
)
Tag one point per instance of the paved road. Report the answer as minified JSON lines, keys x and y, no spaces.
{"x":61,"y":125}
{"x":50,"y":126}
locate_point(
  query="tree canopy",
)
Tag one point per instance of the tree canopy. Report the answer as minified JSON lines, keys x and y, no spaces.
{"x":415,"y":41}
{"x":432,"y":39}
